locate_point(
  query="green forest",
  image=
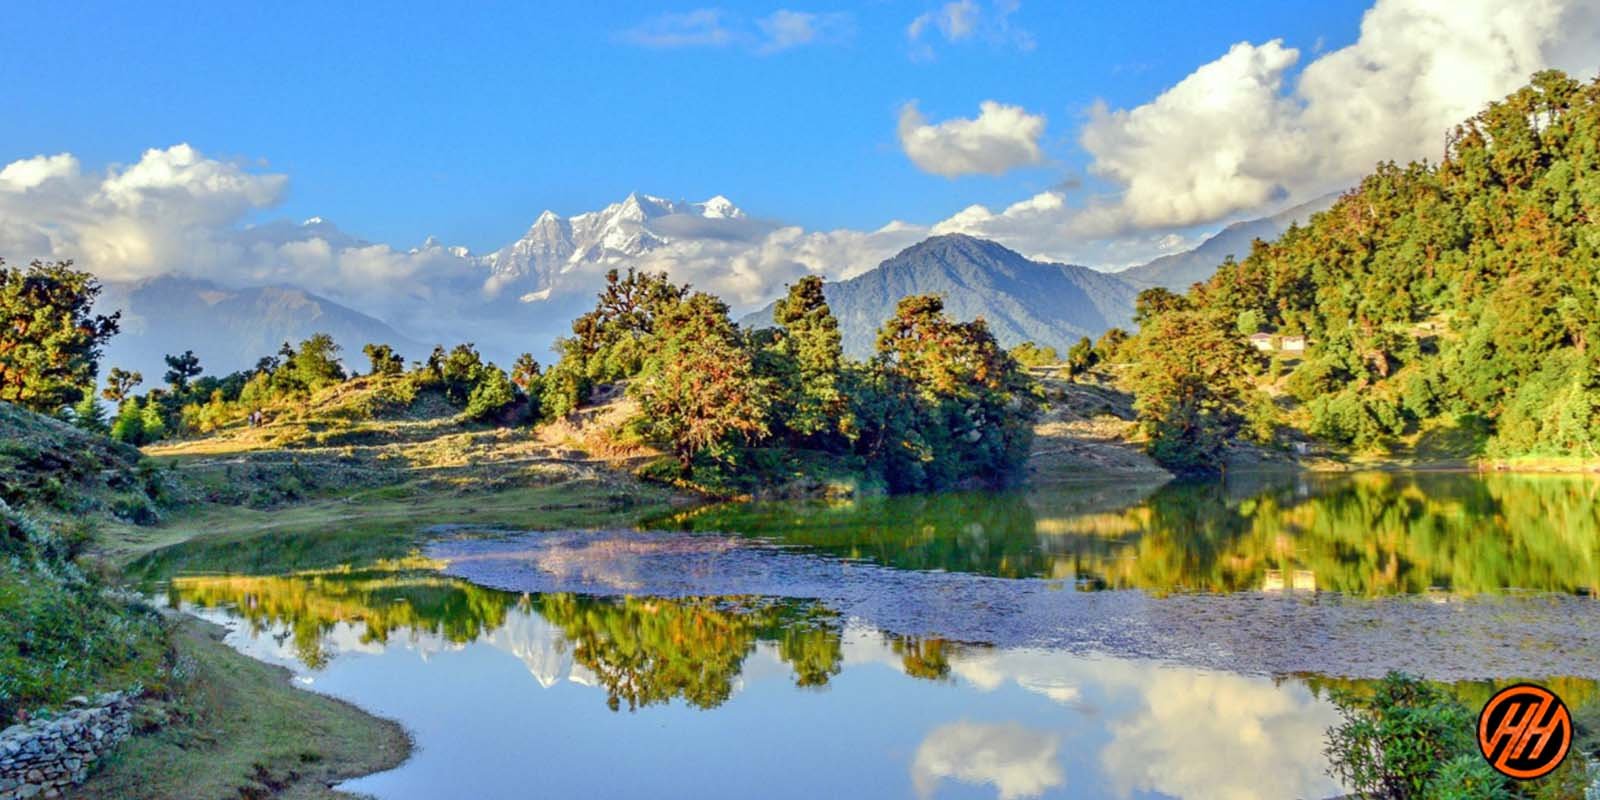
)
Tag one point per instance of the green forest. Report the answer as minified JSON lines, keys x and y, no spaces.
{"x":1439,"y":302}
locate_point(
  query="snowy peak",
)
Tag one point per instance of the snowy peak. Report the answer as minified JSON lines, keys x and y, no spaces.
{"x":554,"y":246}
{"x":719,"y":207}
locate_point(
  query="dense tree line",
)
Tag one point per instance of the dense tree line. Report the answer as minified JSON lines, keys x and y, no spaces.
{"x":1458,"y":295}
{"x":941,"y":403}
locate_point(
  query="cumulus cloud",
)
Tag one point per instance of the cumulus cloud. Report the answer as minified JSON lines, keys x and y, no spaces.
{"x":177,"y":211}
{"x":1244,"y":130}
{"x":784,"y":29}
{"x":1016,"y":760}
{"x":1000,"y":139}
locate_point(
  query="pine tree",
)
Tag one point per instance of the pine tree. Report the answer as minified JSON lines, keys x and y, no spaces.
{"x":180,"y":370}
{"x":89,"y":414}
{"x":807,"y":360}
{"x":120,"y":384}
{"x":128,"y":427}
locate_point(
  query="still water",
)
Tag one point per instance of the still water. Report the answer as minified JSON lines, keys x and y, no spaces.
{"x":969,"y":645}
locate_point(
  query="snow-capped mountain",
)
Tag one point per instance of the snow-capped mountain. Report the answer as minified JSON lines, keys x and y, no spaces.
{"x":531,"y":267}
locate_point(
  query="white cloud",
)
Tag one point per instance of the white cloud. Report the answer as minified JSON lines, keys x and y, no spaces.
{"x":1000,"y":139}
{"x":704,"y":27}
{"x":1243,"y":131}
{"x":784,"y":29}
{"x":29,"y":173}
{"x":1018,"y":761}
{"x":748,"y":272}
{"x":964,"y":20}
{"x":177,"y":211}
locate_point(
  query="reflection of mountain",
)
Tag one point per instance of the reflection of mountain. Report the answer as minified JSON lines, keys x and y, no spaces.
{"x":539,"y":645}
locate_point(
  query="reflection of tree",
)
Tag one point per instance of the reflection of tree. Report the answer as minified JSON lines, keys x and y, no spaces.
{"x":387,"y":597}
{"x":643,"y":650}
{"x":651,"y":650}
{"x":815,"y":651}
{"x":987,"y":533}
{"x":923,"y":658}
{"x":1366,"y":534}
{"x":1575,"y":692}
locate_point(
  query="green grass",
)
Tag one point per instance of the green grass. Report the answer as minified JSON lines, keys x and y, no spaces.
{"x":235,"y":727}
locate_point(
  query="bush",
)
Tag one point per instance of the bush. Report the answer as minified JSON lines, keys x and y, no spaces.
{"x":492,"y":396}
{"x":1404,"y":742}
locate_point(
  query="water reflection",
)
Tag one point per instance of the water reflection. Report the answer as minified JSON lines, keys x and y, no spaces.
{"x":837,"y":708}
{"x":1369,"y":534}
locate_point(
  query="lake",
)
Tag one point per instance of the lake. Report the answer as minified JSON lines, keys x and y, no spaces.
{"x":1117,"y":641}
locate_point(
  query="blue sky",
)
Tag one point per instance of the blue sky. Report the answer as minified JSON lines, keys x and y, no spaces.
{"x":403,"y":120}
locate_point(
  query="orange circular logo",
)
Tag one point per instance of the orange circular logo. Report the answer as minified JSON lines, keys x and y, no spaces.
{"x":1524,"y":731}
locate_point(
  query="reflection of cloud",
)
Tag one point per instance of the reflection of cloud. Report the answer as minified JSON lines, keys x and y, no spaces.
{"x":1205,"y":735}
{"x":1019,"y":761}
{"x":1194,"y":734}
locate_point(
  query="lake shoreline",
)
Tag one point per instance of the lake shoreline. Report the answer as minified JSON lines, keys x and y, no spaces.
{"x":244,"y":726}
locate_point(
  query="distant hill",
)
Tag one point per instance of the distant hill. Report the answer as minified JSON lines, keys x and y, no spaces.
{"x":1179,"y":271}
{"x":229,"y":328}
{"x":1022,"y":300}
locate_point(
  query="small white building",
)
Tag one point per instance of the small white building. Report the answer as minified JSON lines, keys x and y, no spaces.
{"x":1261,"y":341}
{"x":1293,"y":344}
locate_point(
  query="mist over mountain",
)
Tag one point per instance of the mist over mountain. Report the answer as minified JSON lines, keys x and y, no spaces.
{"x":1022,"y":300}
{"x":229,"y":329}
{"x":1181,"y":270}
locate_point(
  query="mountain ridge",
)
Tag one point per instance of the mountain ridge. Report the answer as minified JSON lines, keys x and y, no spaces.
{"x":1021,"y":299}
{"x":1179,"y":271}
{"x":229,"y":328}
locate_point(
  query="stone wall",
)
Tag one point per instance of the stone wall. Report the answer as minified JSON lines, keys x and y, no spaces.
{"x":47,"y":756}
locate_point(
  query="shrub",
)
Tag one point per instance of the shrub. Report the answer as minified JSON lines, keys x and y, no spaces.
{"x":492,"y":396}
{"x":1403,"y":739}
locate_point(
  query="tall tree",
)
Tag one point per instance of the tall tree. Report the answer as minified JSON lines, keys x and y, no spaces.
{"x":1191,"y":379}
{"x":120,"y":384}
{"x":697,"y":389}
{"x":181,"y":369}
{"x":525,"y":373}
{"x":957,"y":406}
{"x":50,"y":341}
{"x":316,"y":363}
{"x":807,"y":359}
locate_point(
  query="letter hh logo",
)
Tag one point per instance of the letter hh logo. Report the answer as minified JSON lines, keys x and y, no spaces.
{"x":1524,"y":731}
